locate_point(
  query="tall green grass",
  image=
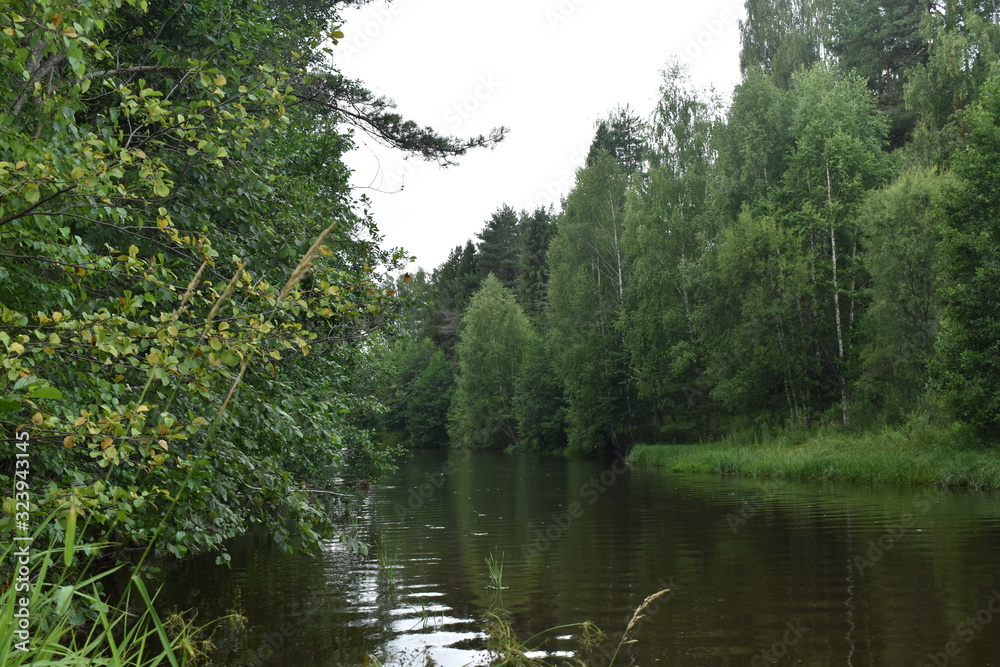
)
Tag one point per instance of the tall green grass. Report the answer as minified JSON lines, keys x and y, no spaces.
{"x":917,"y":452}
{"x":70,"y":623}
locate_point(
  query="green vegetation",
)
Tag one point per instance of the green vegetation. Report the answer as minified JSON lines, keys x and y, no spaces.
{"x":494,"y":334}
{"x":200,"y":329}
{"x":62,"y":617}
{"x":818,"y":254}
{"x":914,"y":453}
{"x":191,"y":295}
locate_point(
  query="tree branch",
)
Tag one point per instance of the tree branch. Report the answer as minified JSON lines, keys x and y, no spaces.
{"x":27,"y":211}
{"x":129,"y":70}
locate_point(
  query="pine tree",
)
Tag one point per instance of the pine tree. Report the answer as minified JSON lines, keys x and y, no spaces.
{"x":881,"y":40}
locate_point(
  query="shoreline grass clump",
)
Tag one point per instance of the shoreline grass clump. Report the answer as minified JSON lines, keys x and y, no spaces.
{"x":916,"y":453}
{"x":69,"y":621}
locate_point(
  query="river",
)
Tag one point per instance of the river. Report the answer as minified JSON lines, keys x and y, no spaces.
{"x":760,"y":572}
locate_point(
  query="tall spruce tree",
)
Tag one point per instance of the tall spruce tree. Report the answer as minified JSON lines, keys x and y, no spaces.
{"x":538,"y":229}
{"x":498,"y":250}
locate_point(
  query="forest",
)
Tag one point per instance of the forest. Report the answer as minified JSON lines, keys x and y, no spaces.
{"x":819,"y":251}
{"x":203,"y":331}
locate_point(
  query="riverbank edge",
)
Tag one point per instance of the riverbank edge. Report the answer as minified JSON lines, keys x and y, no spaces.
{"x":916,"y":453}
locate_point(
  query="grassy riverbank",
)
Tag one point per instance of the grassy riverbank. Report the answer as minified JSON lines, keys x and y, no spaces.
{"x":915,"y":453}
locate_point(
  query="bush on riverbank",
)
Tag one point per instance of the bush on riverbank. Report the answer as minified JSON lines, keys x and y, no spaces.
{"x":917,"y":452}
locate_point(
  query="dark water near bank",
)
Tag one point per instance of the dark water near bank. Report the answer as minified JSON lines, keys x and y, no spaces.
{"x":762,"y":573}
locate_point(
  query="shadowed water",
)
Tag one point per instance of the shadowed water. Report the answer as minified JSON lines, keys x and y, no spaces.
{"x":761,"y":572}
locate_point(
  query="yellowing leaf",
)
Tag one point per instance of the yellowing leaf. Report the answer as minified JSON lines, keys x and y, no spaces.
{"x":220,"y":80}
{"x":161,"y":189}
{"x":21,"y":164}
{"x":56,"y":316}
{"x":133,"y":250}
{"x":68,"y":442}
{"x":163,"y":443}
{"x":37,"y":418}
{"x":80,"y":421}
{"x":106,"y":442}
{"x":16,"y":348}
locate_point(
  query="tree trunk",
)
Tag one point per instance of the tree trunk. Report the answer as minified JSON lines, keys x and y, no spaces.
{"x":836,"y":302}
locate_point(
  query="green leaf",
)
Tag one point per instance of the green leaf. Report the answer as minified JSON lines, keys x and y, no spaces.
{"x":63,"y":597}
{"x":70,"y":532}
{"x":45,"y":392}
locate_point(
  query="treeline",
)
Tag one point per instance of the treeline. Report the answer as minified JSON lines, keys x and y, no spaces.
{"x":823,"y":249}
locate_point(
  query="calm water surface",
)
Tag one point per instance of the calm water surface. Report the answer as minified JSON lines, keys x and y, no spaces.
{"x":760,"y":572}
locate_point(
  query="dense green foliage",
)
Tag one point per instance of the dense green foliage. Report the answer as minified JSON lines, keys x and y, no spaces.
{"x":494,"y":335}
{"x":190,"y":295}
{"x":821,"y":251}
{"x":970,"y":338}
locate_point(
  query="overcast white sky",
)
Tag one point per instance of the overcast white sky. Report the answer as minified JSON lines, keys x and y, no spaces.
{"x":546,"y":69}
